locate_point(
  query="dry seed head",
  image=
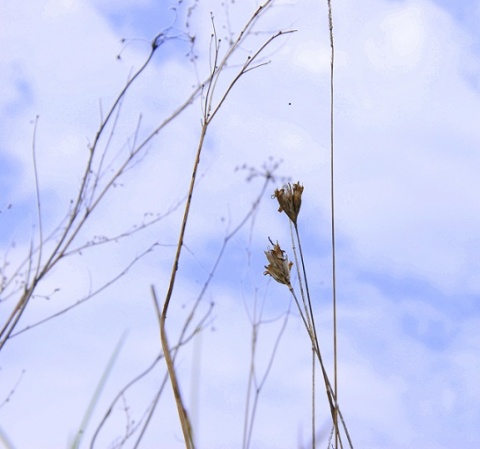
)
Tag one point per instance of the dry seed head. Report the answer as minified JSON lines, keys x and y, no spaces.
{"x":290,"y":199}
{"x":279,"y":267}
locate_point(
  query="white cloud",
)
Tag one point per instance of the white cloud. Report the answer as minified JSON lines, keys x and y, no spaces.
{"x":60,"y":8}
{"x":400,"y":43}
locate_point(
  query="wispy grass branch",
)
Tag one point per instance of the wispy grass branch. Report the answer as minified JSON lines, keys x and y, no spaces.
{"x":209,"y":111}
{"x":90,"y":194}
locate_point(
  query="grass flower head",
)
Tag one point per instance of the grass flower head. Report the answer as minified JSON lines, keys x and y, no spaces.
{"x":279,"y":267}
{"x":289,"y":198}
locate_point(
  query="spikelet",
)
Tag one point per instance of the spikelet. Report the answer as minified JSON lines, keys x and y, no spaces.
{"x":279,"y":267}
{"x":290,"y":199}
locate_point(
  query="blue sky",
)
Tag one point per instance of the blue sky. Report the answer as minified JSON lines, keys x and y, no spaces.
{"x":407,"y":158}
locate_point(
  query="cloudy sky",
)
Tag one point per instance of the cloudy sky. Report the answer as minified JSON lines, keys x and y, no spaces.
{"x":407,"y":114}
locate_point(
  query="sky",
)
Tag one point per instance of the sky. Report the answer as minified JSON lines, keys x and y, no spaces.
{"x":407,"y":108}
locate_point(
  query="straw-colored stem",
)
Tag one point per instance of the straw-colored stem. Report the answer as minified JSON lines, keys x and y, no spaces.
{"x":182,"y":413}
{"x":332,"y":201}
{"x":313,"y":399}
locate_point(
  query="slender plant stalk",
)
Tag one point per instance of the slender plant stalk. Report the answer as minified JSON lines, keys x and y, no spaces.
{"x":308,"y":315}
{"x":39,"y":203}
{"x":316,"y":348}
{"x":328,"y":386}
{"x":182,"y":340}
{"x":332,"y":201}
{"x":331,"y":395}
{"x":313,"y":400}
{"x":300,"y":277}
{"x":309,"y":302}
{"x":252,"y":378}
{"x":182,"y":413}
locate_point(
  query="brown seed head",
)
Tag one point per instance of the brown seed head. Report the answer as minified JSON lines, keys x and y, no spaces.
{"x":290,"y":199}
{"x":279,"y":267}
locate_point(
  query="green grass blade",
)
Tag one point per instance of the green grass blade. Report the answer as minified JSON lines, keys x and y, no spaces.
{"x":96,"y":396}
{"x":6,"y":443}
